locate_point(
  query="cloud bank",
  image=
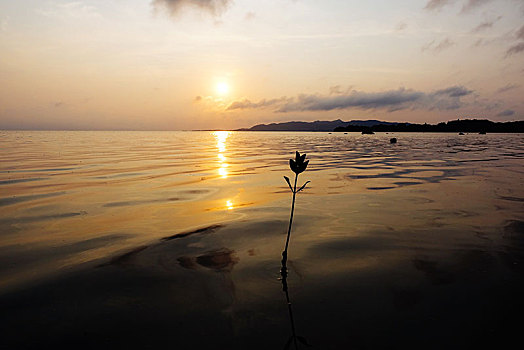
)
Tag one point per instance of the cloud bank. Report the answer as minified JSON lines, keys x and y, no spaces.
{"x":392,"y":100}
{"x":213,"y":7}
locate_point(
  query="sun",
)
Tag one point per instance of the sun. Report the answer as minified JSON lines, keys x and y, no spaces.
{"x":222,"y":88}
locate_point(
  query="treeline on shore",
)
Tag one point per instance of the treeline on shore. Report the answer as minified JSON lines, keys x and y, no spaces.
{"x":466,"y":125}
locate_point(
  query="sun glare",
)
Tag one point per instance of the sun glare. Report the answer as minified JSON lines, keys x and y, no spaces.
{"x":222,"y":88}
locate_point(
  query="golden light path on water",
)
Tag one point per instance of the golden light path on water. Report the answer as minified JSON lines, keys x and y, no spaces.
{"x":221,"y":139}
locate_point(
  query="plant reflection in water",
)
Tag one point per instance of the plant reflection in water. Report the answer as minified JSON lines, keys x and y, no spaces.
{"x":294,"y":339}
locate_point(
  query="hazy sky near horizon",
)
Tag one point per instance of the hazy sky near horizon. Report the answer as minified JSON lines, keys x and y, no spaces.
{"x":192,"y":64}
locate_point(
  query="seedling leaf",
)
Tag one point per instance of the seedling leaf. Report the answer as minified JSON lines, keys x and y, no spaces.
{"x":289,"y":183}
{"x":303,"y":186}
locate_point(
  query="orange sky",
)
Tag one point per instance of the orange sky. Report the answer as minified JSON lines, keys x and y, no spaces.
{"x":187,"y":64}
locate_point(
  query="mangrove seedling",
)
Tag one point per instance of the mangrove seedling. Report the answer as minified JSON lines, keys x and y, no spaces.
{"x":297,"y":165}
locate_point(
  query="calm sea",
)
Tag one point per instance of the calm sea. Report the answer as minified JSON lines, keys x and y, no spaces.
{"x":381,"y":227}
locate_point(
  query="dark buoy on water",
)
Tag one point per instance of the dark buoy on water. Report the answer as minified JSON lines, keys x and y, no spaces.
{"x":393,"y":140}
{"x":461,"y":133}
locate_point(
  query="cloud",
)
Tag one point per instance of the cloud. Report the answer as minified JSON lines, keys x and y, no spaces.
{"x":518,"y":47}
{"x":520,"y":33}
{"x":335,"y":90}
{"x":473,"y":4}
{"x":436,"y":4}
{"x":470,"y":5}
{"x":401,"y":26}
{"x":213,"y":7}
{"x":4,"y":24}
{"x":73,"y":10}
{"x":441,"y":46}
{"x":247,"y":104}
{"x":506,"y":113}
{"x":389,"y":99}
{"x":485,"y":25}
{"x":480,"y":42}
{"x":507,"y":88}
{"x":250,"y":16}
{"x":392,"y":100}
{"x":444,"y":44}
{"x":515,"y":49}
{"x":454,"y":91}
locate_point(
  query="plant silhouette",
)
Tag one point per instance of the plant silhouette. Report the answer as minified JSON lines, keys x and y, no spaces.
{"x":294,"y":339}
{"x":297,"y":165}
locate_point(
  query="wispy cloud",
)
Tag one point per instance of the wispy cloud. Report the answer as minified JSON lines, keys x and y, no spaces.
{"x":213,"y":7}
{"x":72,"y":9}
{"x":473,"y":4}
{"x":480,"y":42}
{"x":515,"y":49}
{"x":468,"y":6}
{"x":250,"y":16}
{"x":438,"y":47}
{"x":401,"y":26}
{"x":392,"y":100}
{"x":337,"y":90}
{"x":437,"y":4}
{"x":444,"y":44}
{"x":247,"y":104}
{"x":485,"y":25}
{"x":506,"y":113}
{"x":518,"y":47}
{"x":454,"y":91}
{"x":520,"y":33}
{"x":507,"y":88}
{"x":4,"y":23}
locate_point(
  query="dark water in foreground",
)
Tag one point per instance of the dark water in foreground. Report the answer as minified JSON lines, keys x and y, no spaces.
{"x":173,"y":240}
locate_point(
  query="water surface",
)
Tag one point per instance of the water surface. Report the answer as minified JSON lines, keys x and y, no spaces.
{"x":155,"y":238}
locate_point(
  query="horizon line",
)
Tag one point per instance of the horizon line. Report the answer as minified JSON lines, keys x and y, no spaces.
{"x":247,"y":128}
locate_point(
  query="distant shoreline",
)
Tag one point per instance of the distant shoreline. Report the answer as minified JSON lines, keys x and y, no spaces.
{"x":368,"y":126}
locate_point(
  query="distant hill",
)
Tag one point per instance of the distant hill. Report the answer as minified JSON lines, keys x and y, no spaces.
{"x":465,"y":125}
{"x":319,"y":125}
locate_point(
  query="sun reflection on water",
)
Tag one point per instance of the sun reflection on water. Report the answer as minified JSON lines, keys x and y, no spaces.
{"x":221,"y":137}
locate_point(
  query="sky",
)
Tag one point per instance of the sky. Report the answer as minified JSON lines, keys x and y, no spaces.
{"x":226,"y":64}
